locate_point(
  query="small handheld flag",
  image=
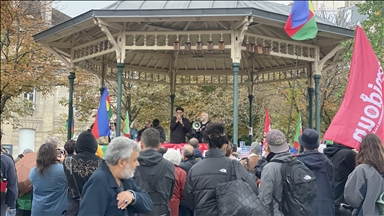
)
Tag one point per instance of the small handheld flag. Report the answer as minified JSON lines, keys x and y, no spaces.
{"x":126,"y":124}
{"x":301,"y":23}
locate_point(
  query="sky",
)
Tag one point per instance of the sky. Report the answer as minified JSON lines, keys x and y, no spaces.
{"x":74,"y":8}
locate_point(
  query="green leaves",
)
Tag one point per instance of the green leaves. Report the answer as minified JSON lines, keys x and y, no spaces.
{"x":373,"y":27}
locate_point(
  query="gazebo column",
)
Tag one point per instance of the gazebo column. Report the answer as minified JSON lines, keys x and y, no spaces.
{"x":237,"y":38}
{"x":71,"y":79}
{"x":172,"y":95}
{"x":103,"y":72}
{"x":311,"y":91}
{"x":250,"y":98}
{"x":317,"y":102}
{"x":120,"y":68}
{"x":119,"y":46}
{"x":235,"y":68}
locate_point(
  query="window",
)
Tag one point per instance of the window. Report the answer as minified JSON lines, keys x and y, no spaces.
{"x":31,"y":96}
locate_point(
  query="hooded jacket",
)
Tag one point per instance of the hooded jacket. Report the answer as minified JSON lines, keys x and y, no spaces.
{"x":362,"y":190}
{"x":343,"y":161}
{"x":271,"y":186}
{"x":82,"y":165}
{"x":156,"y":175}
{"x":322,"y":168}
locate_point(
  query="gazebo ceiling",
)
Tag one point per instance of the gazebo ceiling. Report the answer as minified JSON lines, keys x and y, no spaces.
{"x":150,"y":28}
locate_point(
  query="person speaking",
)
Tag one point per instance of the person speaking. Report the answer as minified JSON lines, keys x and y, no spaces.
{"x":198,"y":132}
{"x":180,"y":126}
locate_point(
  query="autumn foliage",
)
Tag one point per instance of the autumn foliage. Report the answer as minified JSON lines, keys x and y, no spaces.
{"x":25,"y":65}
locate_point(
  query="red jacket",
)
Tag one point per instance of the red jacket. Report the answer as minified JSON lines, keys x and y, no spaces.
{"x":178,"y":191}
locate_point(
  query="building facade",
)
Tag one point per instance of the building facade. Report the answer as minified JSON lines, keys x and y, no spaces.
{"x":47,"y":114}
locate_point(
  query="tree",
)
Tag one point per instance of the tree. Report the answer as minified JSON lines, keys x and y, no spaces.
{"x":373,"y":27}
{"x":25,"y":65}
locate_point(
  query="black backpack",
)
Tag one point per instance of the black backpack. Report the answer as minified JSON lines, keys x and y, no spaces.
{"x":299,"y":189}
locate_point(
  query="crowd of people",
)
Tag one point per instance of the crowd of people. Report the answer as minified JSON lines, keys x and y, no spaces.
{"x":143,"y":178}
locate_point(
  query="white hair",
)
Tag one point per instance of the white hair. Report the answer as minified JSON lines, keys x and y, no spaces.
{"x":133,"y":124}
{"x":173,"y":156}
{"x":120,"y":148}
{"x":53,"y":140}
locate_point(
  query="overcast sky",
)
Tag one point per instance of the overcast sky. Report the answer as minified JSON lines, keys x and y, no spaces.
{"x":74,"y":8}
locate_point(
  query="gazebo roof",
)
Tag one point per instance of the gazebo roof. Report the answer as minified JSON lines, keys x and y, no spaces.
{"x":264,"y":9}
{"x":151,"y":27}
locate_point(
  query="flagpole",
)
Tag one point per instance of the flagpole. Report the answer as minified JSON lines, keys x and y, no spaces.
{"x":293,"y":92}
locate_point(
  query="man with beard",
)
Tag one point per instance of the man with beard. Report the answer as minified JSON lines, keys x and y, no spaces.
{"x":110,"y":190}
{"x":198,"y":134}
{"x":147,"y":124}
{"x":155,"y":175}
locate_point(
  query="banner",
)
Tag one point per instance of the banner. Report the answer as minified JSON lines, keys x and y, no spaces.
{"x":202,"y":147}
{"x":267,"y":126}
{"x":361,"y":111}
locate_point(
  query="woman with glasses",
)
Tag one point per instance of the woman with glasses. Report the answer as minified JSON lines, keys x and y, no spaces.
{"x":48,"y":182}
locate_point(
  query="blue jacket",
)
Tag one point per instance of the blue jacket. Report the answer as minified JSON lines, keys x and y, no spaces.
{"x":198,"y":153}
{"x":49,"y":191}
{"x":322,"y":168}
{"x":100,"y":192}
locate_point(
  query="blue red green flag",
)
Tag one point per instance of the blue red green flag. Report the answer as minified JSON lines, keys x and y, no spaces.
{"x":301,"y":23}
{"x":101,"y":124}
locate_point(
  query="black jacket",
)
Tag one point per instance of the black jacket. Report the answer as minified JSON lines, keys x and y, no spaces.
{"x":101,"y":190}
{"x":200,"y":187}
{"x":343,"y":160}
{"x":200,"y":135}
{"x":198,"y":153}
{"x":156,"y":175}
{"x":187,"y":164}
{"x":82,"y":165}
{"x":322,"y":168}
{"x":178,"y":131}
{"x":161,"y":132}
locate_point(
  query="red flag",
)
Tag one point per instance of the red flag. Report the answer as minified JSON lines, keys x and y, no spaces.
{"x":362,"y":110}
{"x":267,"y":126}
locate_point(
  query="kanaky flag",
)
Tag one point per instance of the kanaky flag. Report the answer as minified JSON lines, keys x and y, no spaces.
{"x":101,"y":125}
{"x":267,"y":126}
{"x":299,"y":131}
{"x":362,"y":110}
{"x":301,"y":23}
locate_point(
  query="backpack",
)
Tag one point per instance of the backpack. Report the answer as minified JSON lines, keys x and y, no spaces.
{"x":299,"y":189}
{"x":151,"y":185}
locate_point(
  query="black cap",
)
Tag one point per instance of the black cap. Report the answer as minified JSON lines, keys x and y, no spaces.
{"x":309,"y":139}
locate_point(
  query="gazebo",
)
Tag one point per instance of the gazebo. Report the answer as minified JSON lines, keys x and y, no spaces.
{"x":238,"y":43}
